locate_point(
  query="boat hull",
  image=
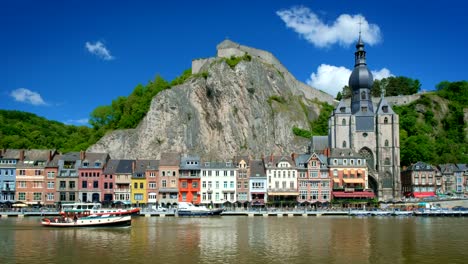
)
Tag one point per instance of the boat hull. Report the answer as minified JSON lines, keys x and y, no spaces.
{"x":89,"y":222}
{"x":199,"y":213}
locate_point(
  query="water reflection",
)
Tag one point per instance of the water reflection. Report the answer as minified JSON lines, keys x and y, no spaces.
{"x":241,"y":240}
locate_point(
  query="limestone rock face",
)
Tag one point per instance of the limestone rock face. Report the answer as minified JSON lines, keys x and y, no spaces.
{"x":223,"y":111}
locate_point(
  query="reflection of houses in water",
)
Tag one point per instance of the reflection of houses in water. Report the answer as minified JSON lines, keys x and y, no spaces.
{"x":219,"y":236}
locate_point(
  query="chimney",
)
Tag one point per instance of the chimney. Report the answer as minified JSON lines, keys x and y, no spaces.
{"x":133,"y":166}
{"x":21,"y":157}
{"x":49,"y":158}
{"x":82,"y":155}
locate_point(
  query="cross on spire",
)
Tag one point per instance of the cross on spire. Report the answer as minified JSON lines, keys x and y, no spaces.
{"x":360,"y":23}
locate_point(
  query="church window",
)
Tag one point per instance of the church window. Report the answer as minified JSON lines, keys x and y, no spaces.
{"x":344,"y":144}
{"x":364,"y":134}
{"x":342,"y":109}
{"x":386,"y":143}
{"x":387,"y":161}
{"x":385,"y":120}
{"x":343,"y":122}
{"x":364,"y":109}
{"x":363,"y":95}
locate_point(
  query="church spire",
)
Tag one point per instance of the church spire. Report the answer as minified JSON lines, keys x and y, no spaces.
{"x":360,"y":54}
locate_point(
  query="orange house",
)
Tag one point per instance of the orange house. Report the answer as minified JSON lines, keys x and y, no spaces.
{"x":189,"y":180}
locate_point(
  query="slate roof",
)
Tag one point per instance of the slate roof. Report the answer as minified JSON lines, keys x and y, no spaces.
{"x":169,"y":159}
{"x":420,"y":166}
{"x":190,"y":163}
{"x":319,"y":143}
{"x":111,"y":167}
{"x":257,"y":169}
{"x":125,"y":167}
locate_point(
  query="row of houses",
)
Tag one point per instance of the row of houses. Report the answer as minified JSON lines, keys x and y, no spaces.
{"x":48,"y":178}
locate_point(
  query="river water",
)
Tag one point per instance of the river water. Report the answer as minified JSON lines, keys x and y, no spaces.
{"x":241,"y":239}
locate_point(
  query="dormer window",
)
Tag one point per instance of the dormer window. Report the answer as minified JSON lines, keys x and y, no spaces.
{"x":342,"y":109}
{"x":97,"y":164}
{"x":207,"y":164}
{"x":364,"y":109}
{"x":228,"y":164}
{"x":85,"y":164}
{"x":385,"y":108}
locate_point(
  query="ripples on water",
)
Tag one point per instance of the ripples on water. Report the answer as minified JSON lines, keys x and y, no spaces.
{"x":241,"y":240}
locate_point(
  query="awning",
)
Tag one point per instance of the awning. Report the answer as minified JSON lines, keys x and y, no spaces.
{"x":258,"y":202}
{"x":353,"y":194}
{"x":354,"y":180}
{"x":423,"y":194}
{"x":336,"y":180}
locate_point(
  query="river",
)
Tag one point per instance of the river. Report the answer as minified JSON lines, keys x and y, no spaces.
{"x":241,"y":239}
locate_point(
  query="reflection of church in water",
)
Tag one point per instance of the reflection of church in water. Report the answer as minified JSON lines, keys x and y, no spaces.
{"x":368,"y":130}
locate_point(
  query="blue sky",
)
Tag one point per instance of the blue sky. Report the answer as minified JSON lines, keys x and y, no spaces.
{"x":62,"y":59}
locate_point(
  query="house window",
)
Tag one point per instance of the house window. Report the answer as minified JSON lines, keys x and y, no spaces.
{"x":184,"y":184}
{"x":95,"y":184}
{"x":84,"y":184}
{"x":164,"y":183}
{"x":194,"y":184}
{"x":344,"y":144}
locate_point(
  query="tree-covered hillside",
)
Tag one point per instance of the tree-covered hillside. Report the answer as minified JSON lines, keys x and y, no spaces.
{"x":433,"y":128}
{"x":21,"y":130}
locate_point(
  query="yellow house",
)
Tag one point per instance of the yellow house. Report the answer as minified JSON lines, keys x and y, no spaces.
{"x":139,"y":185}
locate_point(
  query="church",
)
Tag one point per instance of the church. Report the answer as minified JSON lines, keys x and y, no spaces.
{"x":368,"y":130}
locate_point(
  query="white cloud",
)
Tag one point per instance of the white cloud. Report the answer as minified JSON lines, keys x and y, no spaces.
{"x":99,"y":49}
{"x":344,"y":30}
{"x":332,"y":79}
{"x":27,"y":96}
{"x":83,"y":121}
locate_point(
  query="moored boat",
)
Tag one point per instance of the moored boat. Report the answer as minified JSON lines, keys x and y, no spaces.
{"x":189,"y":209}
{"x":83,"y":218}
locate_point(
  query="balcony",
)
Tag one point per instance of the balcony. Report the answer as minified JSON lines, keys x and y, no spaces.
{"x":8,"y":189}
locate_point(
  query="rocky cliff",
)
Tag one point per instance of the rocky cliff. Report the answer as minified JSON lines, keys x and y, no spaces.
{"x":243,"y":101}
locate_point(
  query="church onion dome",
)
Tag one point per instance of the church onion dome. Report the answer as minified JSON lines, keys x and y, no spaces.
{"x":361,"y":77}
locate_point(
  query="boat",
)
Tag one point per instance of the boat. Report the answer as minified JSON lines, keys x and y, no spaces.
{"x":381,"y":213}
{"x":403,"y":213}
{"x":359,"y":213}
{"x":189,"y":209}
{"x":97,"y":209}
{"x":84,"y":218}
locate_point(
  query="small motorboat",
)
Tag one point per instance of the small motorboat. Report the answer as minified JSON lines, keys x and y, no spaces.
{"x":189,"y":209}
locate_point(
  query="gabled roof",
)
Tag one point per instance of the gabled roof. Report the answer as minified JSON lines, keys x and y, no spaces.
{"x":342,"y":106}
{"x":318,"y":143}
{"x":142,"y":165}
{"x":125,"y":167}
{"x":420,"y":166}
{"x":447,"y":168}
{"x":381,"y":107}
{"x":273,"y":161}
{"x":10,"y":154}
{"x":169,"y":159}
{"x":92,"y":158}
{"x":257,"y":169}
{"x":238,"y":159}
{"x":111,"y":167}
{"x":301,"y":159}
